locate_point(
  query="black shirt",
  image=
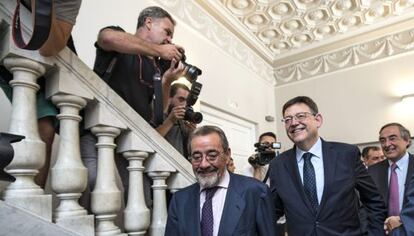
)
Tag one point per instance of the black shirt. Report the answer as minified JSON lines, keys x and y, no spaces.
{"x":131,"y":77}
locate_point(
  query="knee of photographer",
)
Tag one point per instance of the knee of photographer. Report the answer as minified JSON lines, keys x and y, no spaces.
{"x":259,"y":161}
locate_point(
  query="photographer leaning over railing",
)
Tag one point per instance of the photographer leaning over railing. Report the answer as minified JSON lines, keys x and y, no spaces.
{"x":129,"y":64}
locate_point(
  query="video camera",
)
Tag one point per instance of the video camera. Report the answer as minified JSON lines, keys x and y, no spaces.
{"x":264,"y":153}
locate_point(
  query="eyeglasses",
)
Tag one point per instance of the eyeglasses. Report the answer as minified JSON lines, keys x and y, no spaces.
{"x":301,"y":116}
{"x":211,"y":156}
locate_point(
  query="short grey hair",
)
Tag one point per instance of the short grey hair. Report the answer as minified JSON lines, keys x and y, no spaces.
{"x":153,"y":12}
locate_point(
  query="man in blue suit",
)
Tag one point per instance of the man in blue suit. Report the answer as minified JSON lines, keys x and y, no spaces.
{"x":406,"y":218}
{"x":220,"y":203}
{"x":314,"y":183}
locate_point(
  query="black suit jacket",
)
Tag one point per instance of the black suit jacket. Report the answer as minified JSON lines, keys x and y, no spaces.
{"x":338,"y":210}
{"x":379,"y":173}
{"x":248,"y":210}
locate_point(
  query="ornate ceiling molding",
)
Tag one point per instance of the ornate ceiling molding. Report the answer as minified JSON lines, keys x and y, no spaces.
{"x":358,"y":54}
{"x":193,"y":15}
{"x":285,"y":41}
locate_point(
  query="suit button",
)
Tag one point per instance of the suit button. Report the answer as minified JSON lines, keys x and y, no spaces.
{"x":317,"y":223}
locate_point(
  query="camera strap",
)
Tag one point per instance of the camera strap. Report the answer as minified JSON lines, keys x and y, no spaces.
{"x":158,"y":104}
{"x":42,"y":21}
{"x":266,"y":176}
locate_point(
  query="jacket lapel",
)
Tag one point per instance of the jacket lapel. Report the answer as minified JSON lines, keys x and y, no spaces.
{"x":383,"y":183}
{"x":409,"y":174}
{"x":193,"y":211}
{"x":233,"y":207}
{"x":330,"y":158}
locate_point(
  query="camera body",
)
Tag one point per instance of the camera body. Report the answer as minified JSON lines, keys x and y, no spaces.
{"x":191,"y":71}
{"x":191,"y":74}
{"x":264,"y":153}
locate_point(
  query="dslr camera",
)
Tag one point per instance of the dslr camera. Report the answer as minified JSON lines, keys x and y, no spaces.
{"x":191,"y":74}
{"x":190,"y":114}
{"x":264,"y":153}
{"x":191,"y":71}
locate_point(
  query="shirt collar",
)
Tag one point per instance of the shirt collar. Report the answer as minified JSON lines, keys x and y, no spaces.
{"x":316,"y":150}
{"x":224,"y":182}
{"x":402,"y":163}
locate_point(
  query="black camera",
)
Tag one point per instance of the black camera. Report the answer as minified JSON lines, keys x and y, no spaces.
{"x":190,"y":114}
{"x":264,"y":153}
{"x":191,"y":71}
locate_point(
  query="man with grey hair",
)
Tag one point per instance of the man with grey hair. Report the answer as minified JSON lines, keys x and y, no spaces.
{"x":129,"y":63}
{"x":220,"y":203}
{"x":392,"y":175}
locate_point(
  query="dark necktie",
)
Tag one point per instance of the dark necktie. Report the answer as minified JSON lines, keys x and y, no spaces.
{"x":394,"y":196}
{"x":309,"y":180}
{"x":207,"y":221}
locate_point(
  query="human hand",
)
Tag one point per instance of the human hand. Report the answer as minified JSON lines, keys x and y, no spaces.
{"x":173,"y":72}
{"x":177,"y":113}
{"x":391,"y":223}
{"x":171,"y":51}
{"x":190,"y":125}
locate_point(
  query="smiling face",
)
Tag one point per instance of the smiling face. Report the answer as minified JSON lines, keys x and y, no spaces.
{"x":302,"y":131}
{"x":209,"y":172}
{"x":392,"y":143}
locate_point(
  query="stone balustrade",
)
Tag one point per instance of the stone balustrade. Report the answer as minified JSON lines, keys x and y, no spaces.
{"x":72,"y":86}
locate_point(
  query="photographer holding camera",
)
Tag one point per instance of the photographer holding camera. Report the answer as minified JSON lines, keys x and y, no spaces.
{"x":265,"y":152}
{"x":130,"y":65}
{"x":176,"y":128}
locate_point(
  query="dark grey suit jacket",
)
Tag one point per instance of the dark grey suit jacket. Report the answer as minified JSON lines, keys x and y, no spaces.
{"x":248,"y":210}
{"x":379,"y":173}
{"x":338,"y":210}
{"x":407,"y":212}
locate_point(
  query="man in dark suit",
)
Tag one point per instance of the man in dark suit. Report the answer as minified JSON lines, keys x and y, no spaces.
{"x":406,"y":218}
{"x":397,"y":168}
{"x":314,"y":183}
{"x":220,"y":203}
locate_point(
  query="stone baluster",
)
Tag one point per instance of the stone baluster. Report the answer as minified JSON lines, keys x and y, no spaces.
{"x":69,"y":175}
{"x":159,"y":211}
{"x":159,"y":170}
{"x":136,"y":213}
{"x":106,"y":197}
{"x":29,"y":154}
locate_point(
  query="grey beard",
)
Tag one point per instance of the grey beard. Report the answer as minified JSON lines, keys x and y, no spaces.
{"x":208,"y":182}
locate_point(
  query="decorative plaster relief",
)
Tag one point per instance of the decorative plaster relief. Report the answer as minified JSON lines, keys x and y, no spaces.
{"x":194,"y":16}
{"x":355,"y":55}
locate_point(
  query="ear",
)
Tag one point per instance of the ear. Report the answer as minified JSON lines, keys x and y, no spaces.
{"x":228,"y":155}
{"x":148,"y":23}
{"x":319,"y":119}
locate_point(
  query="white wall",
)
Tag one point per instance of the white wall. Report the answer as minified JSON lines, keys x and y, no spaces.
{"x":356,"y":103}
{"x":228,"y":84}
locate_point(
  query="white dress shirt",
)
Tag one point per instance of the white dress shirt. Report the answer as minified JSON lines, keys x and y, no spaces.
{"x":217,"y":201}
{"x":317,"y":162}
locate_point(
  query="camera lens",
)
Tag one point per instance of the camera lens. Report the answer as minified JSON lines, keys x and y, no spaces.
{"x":194,"y":117}
{"x":192,"y":72}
